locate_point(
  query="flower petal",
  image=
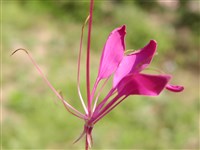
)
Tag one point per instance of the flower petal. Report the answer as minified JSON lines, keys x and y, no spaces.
{"x":142,"y":84}
{"x":174,"y":88}
{"x":112,"y":53}
{"x":135,"y":62}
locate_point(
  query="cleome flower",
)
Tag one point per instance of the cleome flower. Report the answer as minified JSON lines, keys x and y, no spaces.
{"x":126,"y":71}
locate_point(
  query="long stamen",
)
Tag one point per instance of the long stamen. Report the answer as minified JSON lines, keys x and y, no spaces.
{"x":79,"y":60}
{"x":94,"y":89}
{"x":65,"y":104}
{"x":106,"y":111}
{"x":98,"y":110}
{"x":88,"y":57}
{"x":48,"y":83}
{"x":155,"y":69}
{"x":101,"y":104}
{"x":97,"y":97}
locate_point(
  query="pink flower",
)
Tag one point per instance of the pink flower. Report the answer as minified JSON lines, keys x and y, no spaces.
{"x":127,"y":77}
{"x":126,"y":69}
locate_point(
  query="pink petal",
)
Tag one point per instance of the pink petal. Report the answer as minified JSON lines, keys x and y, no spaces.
{"x":112,"y":53}
{"x":174,"y":88}
{"x":135,"y":62}
{"x":142,"y":84}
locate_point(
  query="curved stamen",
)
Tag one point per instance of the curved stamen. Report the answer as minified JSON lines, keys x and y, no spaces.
{"x":102,"y":103}
{"x":48,"y":83}
{"x":79,"y":60}
{"x":128,"y":51}
{"x":65,"y":104}
{"x":99,"y":92}
{"x":94,"y":89}
{"x":108,"y":108}
{"x":98,"y":112}
{"x":155,"y":69}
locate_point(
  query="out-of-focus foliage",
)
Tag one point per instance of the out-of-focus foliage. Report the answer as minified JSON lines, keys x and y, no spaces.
{"x":180,"y":16}
{"x":32,"y":116}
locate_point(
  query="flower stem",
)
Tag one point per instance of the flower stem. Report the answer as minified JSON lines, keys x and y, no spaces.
{"x":86,"y":142}
{"x":88,"y":57}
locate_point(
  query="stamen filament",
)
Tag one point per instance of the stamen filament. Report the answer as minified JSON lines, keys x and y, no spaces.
{"x":94,"y":89}
{"x":128,"y":51}
{"x":100,"y":105}
{"x":108,"y":109}
{"x":98,"y":113}
{"x":77,"y":115}
{"x":64,"y":102}
{"x":155,"y":69}
{"x":97,"y":97}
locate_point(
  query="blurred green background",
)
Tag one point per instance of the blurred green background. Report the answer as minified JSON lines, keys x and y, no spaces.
{"x":32,"y":116}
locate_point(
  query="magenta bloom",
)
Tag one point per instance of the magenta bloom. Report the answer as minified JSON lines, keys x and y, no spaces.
{"x":126,"y":71}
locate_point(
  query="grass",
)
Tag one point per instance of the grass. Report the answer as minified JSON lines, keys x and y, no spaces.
{"x":34,"y":118}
